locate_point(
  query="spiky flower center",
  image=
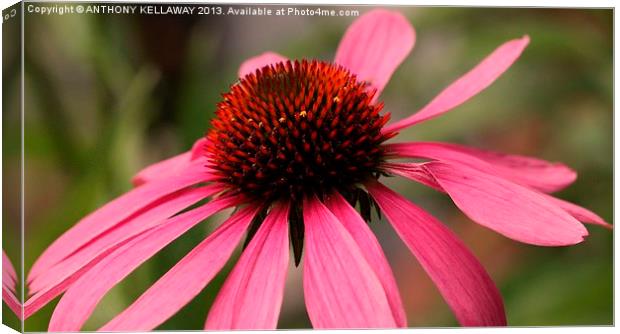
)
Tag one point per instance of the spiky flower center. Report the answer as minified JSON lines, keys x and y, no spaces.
{"x":295,"y":128}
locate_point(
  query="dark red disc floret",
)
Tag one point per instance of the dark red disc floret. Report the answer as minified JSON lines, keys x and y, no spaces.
{"x":295,"y":128}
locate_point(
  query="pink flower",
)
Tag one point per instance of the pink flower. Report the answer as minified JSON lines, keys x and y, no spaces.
{"x":295,"y":146}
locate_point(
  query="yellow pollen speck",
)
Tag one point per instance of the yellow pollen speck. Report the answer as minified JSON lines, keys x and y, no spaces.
{"x":250,"y":120}
{"x":260,"y":124}
{"x":282,"y":119}
{"x":232,"y":119}
{"x":303,"y":113}
{"x":336,"y":99}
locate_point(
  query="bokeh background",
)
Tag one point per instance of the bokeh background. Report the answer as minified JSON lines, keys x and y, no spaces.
{"x":108,"y":94}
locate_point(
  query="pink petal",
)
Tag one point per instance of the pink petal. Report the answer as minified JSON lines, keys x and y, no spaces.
{"x":374,"y":45}
{"x":252,"y":294}
{"x":460,"y":278}
{"x":161,"y":169}
{"x":507,"y":208}
{"x":100,"y":246}
{"x":469,"y":85}
{"x":185,"y":280}
{"x":260,"y":61}
{"x":9,"y":276}
{"x":419,"y":173}
{"x":113,"y":213}
{"x":171,"y":166}
{"x":9,"y":298}
{"x":340,"y":288}
{"x":538,"y":174}
{"x":415,"y":172}
{"x":82,"y":297}
{"x":371,"y":250}
{"x":41,"y":298}
{"x":582,"y":214}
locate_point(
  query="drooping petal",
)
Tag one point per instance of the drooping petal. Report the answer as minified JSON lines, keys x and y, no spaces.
{"x":374,"y":45}
{"x":41,"y":298}
{"x":9,"y":298}
{"x":538,"y":174}
{"x":9,"y":281}
{"x":100,"y":246}
{"x":469,"y":85}
{"x":82,"y":297}
{"x":262,"y":60}
{"x":460,"y":278}
{"x":170,"y":166}
{"x":415,"y":172}
{"x":371,"y":249}
{"x":341,"y":290}
{"x":506,"y":207}
{"x":580,"y":213}
{"x":9,"y":275}
{"x":252,"y":294}
{"x":185,"y":280}
{"x":418,"y":172}
{"x":113,"y":213}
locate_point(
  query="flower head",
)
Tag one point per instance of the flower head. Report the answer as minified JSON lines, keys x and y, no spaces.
{"x":296,"y":147}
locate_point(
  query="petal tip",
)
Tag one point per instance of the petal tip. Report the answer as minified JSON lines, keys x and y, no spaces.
{"x":252,"y":64}
{"x":525,"y":39}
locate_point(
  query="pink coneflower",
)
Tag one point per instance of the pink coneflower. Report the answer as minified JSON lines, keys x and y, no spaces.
{"x":296,"y":146}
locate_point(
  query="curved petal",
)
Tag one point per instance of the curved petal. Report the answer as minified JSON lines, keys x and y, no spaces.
{"x":374,"y":45}
{"x":252,"y":294}
{"x":371,"y":249}
{"x":460,"y":278}
{"x":582,"y":214}
{"x":114,"y":212}
{"x":9,"y":275}
{"x":418,"y":172}
{"x":185,"y":280}
{"x":340,"y":288}
{"x":82,"y":297}
{"x":100,"y":246}
{"x":171,"y":166}
{"x":538,"y":174}
{"x":262,"y":60}
{"x":415,"y":172}
{"x":507,"y":208}
{"x":9,"y":298}
{"x":467,"y":86}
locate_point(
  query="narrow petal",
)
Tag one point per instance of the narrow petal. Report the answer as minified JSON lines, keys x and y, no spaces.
{"x":171,"y":166}
{"x":460,"y":278}
{"x":535,"y":173}
{"x":340,"y":288}
{"x":96,"y":250}
{"x":371,"y":249}
{"x":113,"y":213}
{"x":374,"y":45}
{"x":9,"y":275}
{"x":418,"y":172}
{"x":469,"y":85}
{"x":44,"y":296}
{"x":9,"y":298}
{"x":252,"y":294}
{"x":262,"y":60}
{"x":185,"y":280}
{"x":415,"y":172}
{"x":506,"y":207}
{"x":82,"y":297}
{"x":166,"y":167}
{"x":582,"y":214}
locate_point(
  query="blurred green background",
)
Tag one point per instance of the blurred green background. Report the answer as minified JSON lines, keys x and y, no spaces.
{"x":108,"y":94}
